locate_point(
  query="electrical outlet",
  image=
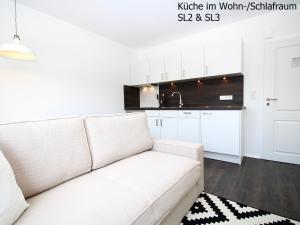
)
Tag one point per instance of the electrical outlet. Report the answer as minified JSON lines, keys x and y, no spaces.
{"x":226,"y":97}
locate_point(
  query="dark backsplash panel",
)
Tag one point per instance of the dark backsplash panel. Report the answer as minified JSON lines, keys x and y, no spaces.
{"x":131,"y":97}
{"x":204,"y":93}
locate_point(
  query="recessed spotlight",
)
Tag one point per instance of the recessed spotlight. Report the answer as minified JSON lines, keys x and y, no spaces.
{"x":172,"y":83}
{"x":198,"y":81}
{"x":224,"y":78}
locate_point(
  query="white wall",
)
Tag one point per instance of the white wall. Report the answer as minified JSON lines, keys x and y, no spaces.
{"x":77,"y":72}
{"x":252,"y":31}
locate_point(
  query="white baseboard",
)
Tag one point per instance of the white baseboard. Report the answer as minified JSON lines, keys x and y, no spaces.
{"x":253,"y":156}
{"x":223,"y":157}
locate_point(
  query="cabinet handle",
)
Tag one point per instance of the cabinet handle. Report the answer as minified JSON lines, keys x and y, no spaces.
{"x":162,"y":76}
{"x":183,"y":73}
{"x":166,"y":76}
{"x":161,"y":123}
{"x":147,"y":78}
{"x":206,"y":113}
{"x":156,"y":122}
{"x":187,"y":113}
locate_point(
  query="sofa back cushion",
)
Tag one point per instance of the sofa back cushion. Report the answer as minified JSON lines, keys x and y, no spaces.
{"x":112,"y":138}
{"x":46,"y":153}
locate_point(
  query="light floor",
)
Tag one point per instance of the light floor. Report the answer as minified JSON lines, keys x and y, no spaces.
{"x":262,"y":184}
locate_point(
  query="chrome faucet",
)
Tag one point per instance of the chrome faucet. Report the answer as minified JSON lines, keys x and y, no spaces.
{"x":180,"y":99}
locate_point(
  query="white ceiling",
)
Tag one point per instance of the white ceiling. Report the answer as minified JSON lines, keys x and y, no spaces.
{"x":135,"y":23}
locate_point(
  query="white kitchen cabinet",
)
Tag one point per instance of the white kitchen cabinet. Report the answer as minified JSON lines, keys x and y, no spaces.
{"x":172,"y":67}
{"x":163,"y":123}
{"x":192,"y":63}
{"x":140,"y":71}
{"x":221,"y":131}
{"x":217,"y":58}
{"x":189,"y":129}
{"x":154,"y":126}
{"x":157,"y":68}
{"x":189,"y":125}
{"x":223,"y":58}
{"x":168,"y":127}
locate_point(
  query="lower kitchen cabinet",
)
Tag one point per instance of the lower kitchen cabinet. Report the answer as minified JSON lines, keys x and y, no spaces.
{"x":219,"y":131}
{"x":168,"y":127}
{"x":189,"y":129}
{"x":154,"y":126}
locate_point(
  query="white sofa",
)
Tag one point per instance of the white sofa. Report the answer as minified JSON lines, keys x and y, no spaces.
{"x":101,"y":170}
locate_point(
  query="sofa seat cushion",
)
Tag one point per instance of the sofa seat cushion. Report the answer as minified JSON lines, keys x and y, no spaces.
{"x":86,"y":200}
{"x":138,"y":190}
{"x":162,"y":178}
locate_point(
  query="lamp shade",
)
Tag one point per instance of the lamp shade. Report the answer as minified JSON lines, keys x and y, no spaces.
{"x":15,"y":50}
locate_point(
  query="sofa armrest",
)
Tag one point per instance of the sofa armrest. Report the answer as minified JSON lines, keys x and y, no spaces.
{"x":180,"y":148}
{"x":185,"y":149}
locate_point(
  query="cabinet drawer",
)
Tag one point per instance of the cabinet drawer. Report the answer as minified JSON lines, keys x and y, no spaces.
{"x":189,"y":114}
{"x":168,"y":113}
{"x":152,"y":112}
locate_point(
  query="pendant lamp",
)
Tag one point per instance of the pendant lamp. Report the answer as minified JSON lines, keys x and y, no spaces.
{"x":14,"y":49}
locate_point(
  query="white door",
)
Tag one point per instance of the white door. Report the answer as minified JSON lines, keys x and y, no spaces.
{"x":220,"y":131}
{"x":154,"y":126}
{"x":140,"y":71}
{"x":223,"y":58}
{"x":192,"y":63}
{"x":173,"y":66}
{"x":157,"y":67}
{"x":168,"y":127}
{"x":189,"y":129}
{"x":281,"y":140}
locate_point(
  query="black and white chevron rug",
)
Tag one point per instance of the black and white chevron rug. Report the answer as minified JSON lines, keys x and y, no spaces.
{"x":211,"y":209}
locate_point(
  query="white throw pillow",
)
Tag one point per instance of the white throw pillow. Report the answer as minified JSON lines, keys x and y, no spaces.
{"x":12,"y":201}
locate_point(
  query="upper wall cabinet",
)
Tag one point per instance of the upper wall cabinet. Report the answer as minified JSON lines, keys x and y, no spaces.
{"x":192,"y":63}
{"x":218,"y":58}
{"x":157,"y":67}
{"x":173,"y":67}
{"x":140,"y":71}
{"x":165,"y":67}
{"x":223,"y":58}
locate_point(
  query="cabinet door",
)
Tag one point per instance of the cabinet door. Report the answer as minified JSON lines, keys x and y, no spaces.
{"x":220,"y":131}
{"x":157,"y":67}
{"x":172,"y":67}
{"x":192,"y":63}
{"x":189,"y":129}
{"x":140,"y":72}
{"x":154,"y":126}
{"x":223,"y":58}
{"x":168,"y":127}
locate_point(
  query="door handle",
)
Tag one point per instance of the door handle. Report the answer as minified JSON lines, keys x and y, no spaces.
{"x":271,"y":99}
